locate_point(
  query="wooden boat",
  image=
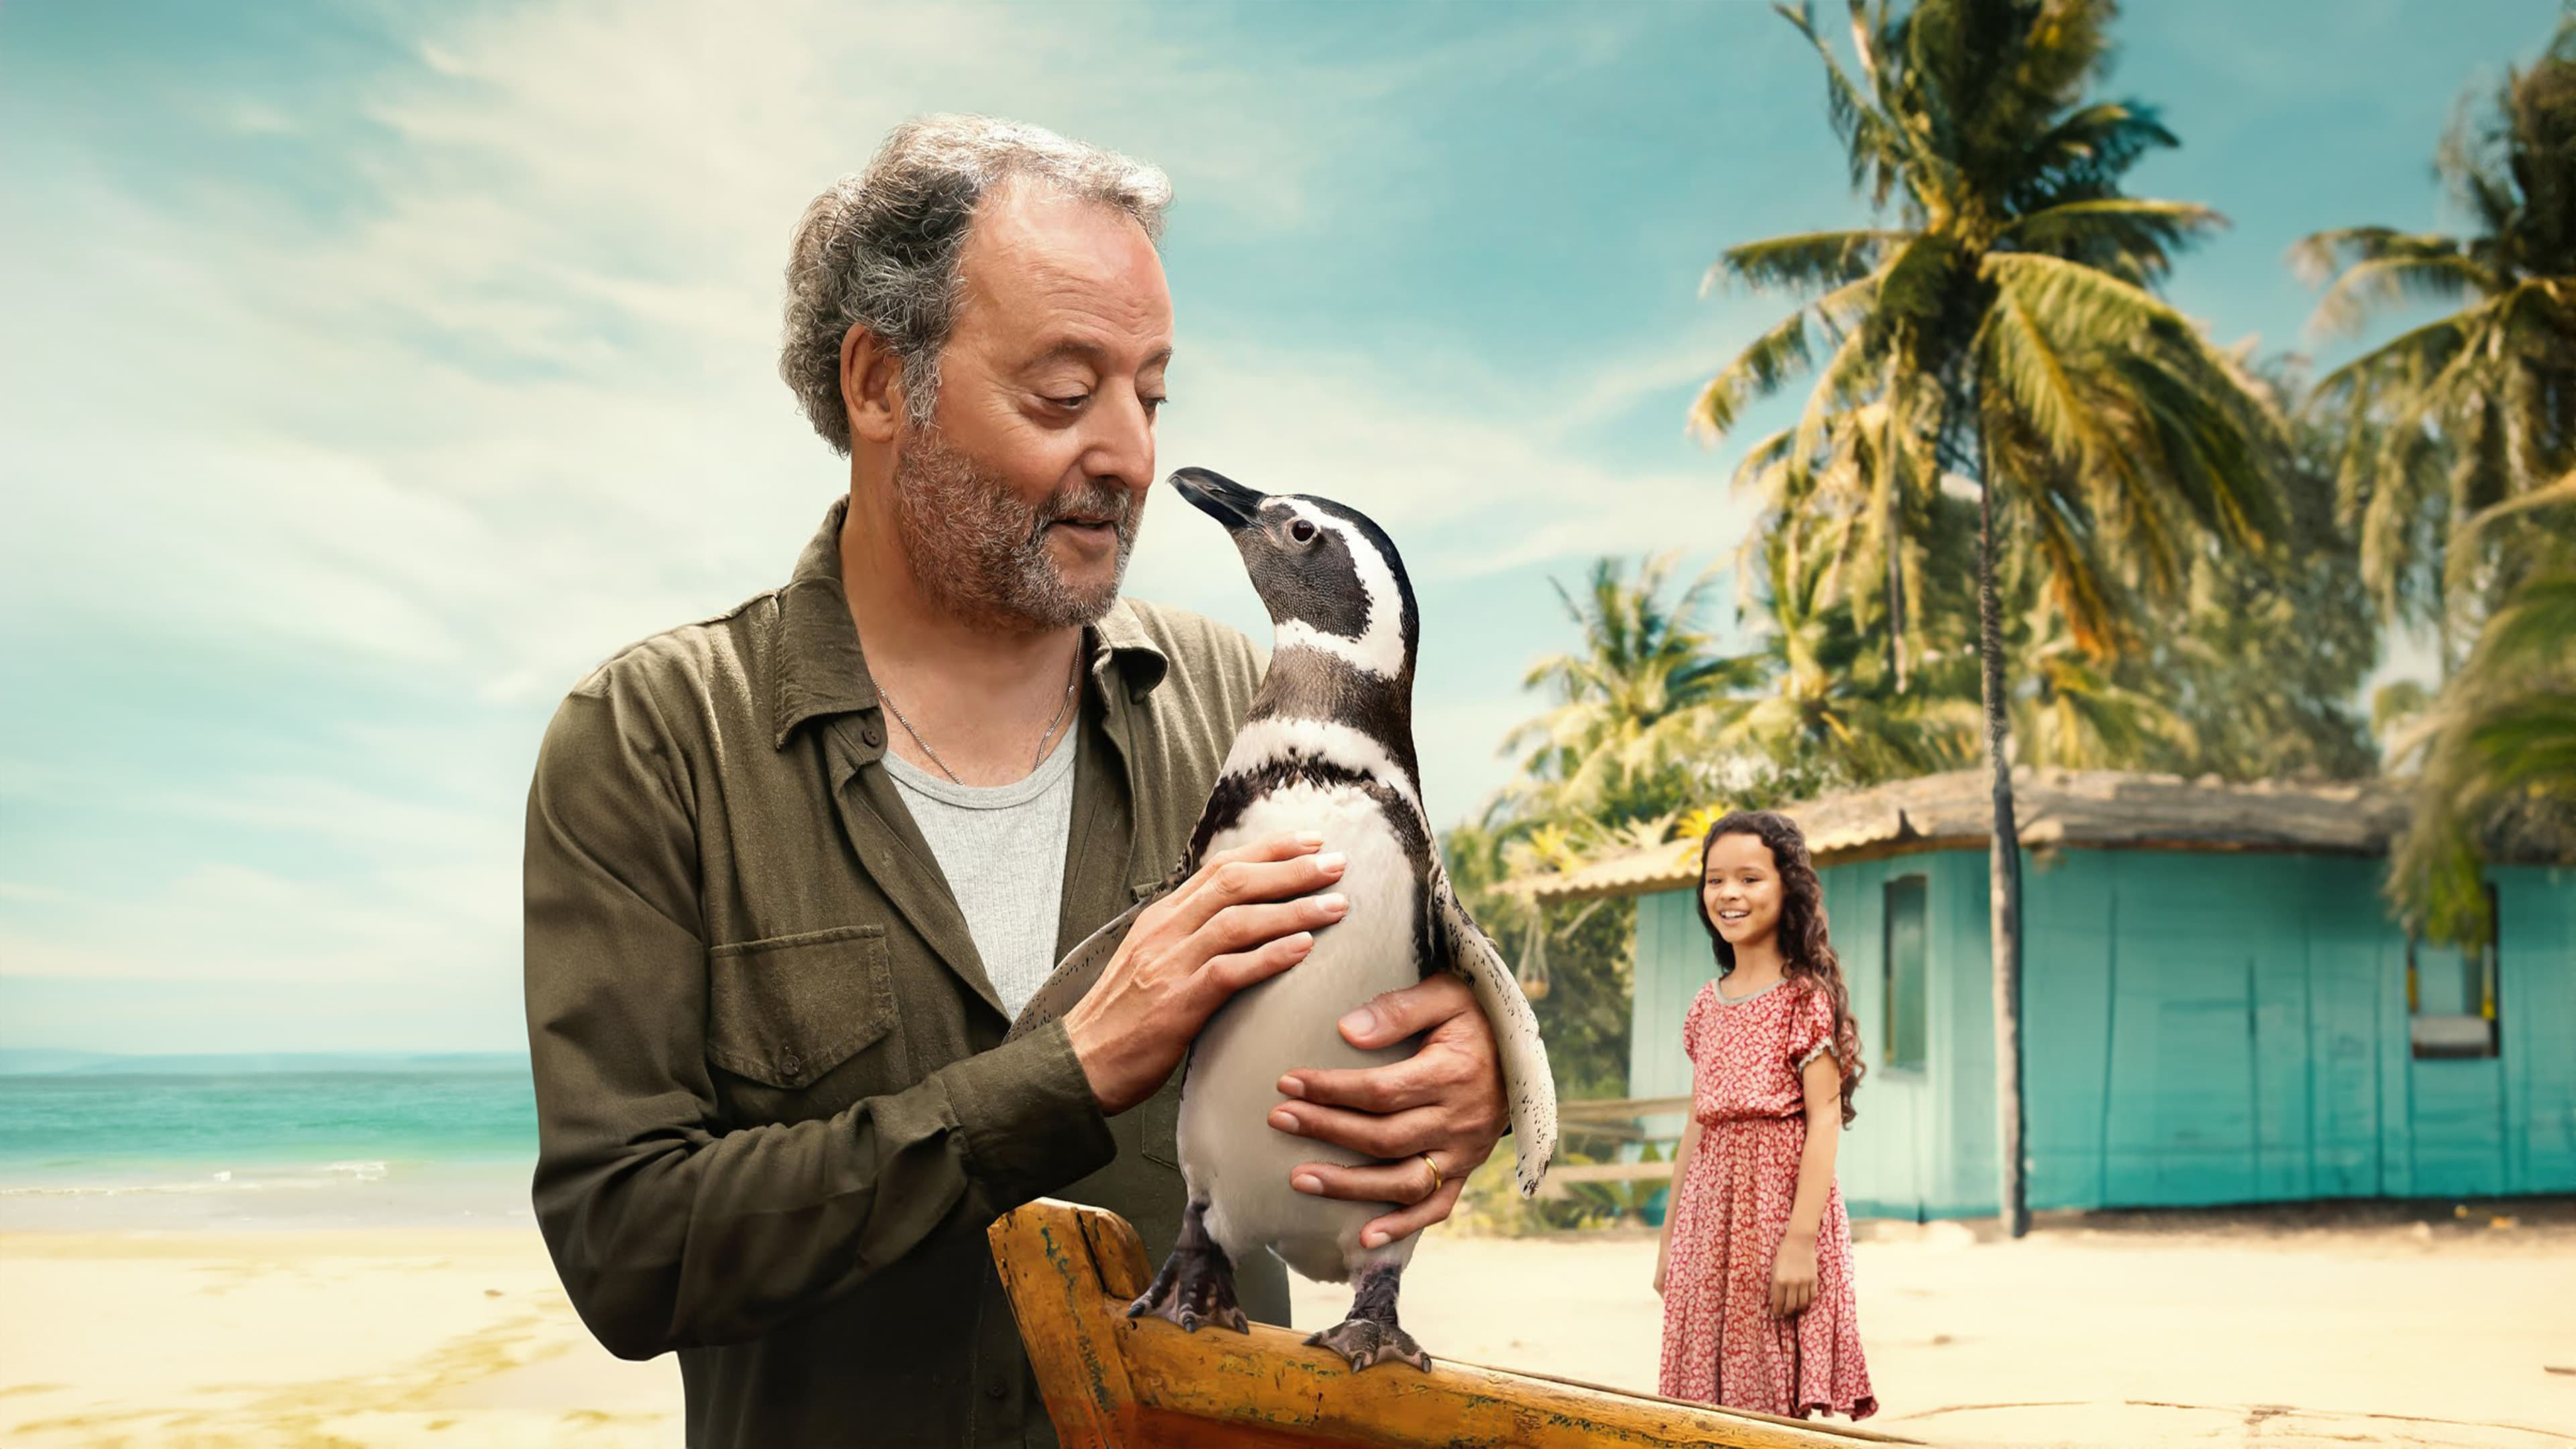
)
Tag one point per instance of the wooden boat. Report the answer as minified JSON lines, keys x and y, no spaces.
{"x":1114,"y":1382}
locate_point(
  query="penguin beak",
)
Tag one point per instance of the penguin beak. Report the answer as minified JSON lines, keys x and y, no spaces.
{"x":1219,"y":497}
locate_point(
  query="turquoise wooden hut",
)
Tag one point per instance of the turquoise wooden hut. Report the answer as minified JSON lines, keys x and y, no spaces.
{"x":2216,"y":1008}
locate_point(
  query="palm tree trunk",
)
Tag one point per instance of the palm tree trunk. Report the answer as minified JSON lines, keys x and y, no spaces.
{"x":2004,"y":861}
{"x":1895,"y":533}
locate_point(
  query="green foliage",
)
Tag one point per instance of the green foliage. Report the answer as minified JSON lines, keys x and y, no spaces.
{"x":2475,"y":409}
{"x":2499,"y":745}
{"x":1817,"y":692}
{"x":2003,"y":330}
{"x":1491,"y":1203}
{"x":1621,"y":741}
{"x":1590,"y":954}
{"x":2189,"y":575}
{"x":2458,"y":470}
{"x":2244,"y":676}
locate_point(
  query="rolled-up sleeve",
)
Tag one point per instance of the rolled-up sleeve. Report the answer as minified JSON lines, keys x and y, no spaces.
{"x":668,"y":1230}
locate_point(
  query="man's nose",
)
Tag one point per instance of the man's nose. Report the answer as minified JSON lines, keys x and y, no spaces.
{"x":1121,"y":441}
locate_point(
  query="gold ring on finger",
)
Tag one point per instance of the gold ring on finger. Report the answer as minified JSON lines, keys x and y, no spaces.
{"x":1436,"y":1178}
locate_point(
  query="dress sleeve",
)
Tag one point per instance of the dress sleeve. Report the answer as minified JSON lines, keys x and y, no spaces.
{"x":1811,"y":1030}
{"x":1694,"y":1021}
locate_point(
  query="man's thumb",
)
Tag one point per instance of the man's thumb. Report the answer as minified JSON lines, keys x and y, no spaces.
{"x":1391,"y":1016}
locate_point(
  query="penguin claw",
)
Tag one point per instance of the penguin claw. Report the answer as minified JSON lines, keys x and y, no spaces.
{"x":1218,"y":1315}
{"x":1191,"y":1304}
{"x":1197,"y":1282}
{"x":1366,"y":1343}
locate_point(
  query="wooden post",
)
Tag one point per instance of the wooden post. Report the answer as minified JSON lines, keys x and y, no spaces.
{"x":1111,"y":1381}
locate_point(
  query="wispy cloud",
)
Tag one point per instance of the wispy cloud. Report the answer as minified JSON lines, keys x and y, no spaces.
{"x":508,"y":400}
{"x":355,"y":402}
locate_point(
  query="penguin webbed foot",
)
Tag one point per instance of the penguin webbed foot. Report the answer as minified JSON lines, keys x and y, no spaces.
{"x":1370,"y":1336}
{"x":1191,"y":1303}
{"x":1196,"y":1284}
{"x":1366,"y":1343}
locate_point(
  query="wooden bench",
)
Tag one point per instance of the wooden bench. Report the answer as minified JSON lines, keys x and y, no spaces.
{"x":1114,"y":1382}
{"x":1617,"y":1119}
{"x":1554,"y":1184}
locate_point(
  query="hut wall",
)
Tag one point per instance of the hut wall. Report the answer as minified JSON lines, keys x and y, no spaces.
{"x":2536,"y":908}
{"x":2197,"y":1028}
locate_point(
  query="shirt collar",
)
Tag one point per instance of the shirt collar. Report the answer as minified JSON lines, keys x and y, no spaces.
{"x":822,"y":670}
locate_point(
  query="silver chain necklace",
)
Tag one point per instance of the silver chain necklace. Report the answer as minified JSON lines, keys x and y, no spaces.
{"x":1040,"y":758}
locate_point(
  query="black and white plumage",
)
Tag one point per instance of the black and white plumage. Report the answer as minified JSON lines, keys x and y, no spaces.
{"x":1327,"y":746}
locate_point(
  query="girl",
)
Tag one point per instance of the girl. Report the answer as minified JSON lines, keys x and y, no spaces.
{"x":1758,"y":1295}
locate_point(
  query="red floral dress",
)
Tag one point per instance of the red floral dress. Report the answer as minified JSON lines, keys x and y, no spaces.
{"x":1722,"y":1345}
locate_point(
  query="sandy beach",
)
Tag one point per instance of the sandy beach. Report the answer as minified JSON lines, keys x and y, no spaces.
{"x":2092,"y":1332}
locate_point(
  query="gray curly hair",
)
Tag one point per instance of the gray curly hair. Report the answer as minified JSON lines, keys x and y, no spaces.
{"x":880,"y":249}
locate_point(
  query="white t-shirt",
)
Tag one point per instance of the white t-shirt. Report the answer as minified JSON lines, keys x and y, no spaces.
{"x":1002,"y":849}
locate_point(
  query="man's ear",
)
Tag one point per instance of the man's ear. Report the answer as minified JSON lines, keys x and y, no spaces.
{"x":871,"y":386}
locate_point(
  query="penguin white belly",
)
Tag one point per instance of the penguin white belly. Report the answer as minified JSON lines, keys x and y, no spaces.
{"x":1230,"y":1155}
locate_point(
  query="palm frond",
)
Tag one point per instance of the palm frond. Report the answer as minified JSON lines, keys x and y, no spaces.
{"x":2396,"y":702}
{"x":1756,"y":372}
{"x":2319,"y":255}
{"x":2412,"y":353}
{"x":2106,"y":228}
{"x":1804,"y":261}
{"x":1920,"y":278}
{"x":2385,"y":280}
{"x":2021,"y":357}
{"x":2080,"y":300}
{"x":2534,"y":634}
{"x":1873,"y":148}
{"x":2096,"y":143}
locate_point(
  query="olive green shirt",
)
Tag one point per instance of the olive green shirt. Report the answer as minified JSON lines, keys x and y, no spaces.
{"x":775,"y":1113}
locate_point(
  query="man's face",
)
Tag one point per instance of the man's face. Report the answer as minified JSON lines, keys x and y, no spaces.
{"x":1019,"y":505}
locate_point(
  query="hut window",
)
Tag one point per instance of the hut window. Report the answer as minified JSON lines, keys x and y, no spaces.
{"x":2451,"y":995}
{"x":1903,"y":1036}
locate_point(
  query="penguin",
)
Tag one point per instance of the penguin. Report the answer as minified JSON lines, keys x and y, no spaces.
{"x":1326,"y":746}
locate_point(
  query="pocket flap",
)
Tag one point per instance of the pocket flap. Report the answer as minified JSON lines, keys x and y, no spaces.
{"x":788,"y":1009}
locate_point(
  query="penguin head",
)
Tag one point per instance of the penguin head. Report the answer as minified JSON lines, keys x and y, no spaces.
{"x":1330,"y":577}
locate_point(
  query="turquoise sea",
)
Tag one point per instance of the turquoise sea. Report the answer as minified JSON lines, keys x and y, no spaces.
{"x":264,"y":1142}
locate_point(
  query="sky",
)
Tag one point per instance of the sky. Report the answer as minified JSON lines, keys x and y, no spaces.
{"x":370,"y":371}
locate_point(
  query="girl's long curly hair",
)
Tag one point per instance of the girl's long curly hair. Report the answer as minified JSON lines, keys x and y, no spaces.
{"x":1805,"y":955}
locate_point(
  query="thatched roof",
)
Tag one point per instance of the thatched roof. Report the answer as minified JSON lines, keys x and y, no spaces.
{"x":2054,"y":808}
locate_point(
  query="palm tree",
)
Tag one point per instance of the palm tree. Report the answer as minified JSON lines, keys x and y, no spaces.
{"x":2083,"y":714}
{"x":2003,"y":330}
{"x":2461,"y":457}
{"x":2499,"y":757}
{"x":1820,"y":697}
{"x":2269,"y":648}
{"x":2478,"y":407}
{"x":1620,"y":742}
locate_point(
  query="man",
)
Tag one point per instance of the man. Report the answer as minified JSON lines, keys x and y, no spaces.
{"x":791,"y":871}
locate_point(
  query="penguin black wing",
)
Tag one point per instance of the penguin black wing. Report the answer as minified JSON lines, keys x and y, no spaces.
{"x":1531,"y":1090}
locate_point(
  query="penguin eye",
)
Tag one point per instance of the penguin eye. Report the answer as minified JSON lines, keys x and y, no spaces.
{"x":1302,"y":531}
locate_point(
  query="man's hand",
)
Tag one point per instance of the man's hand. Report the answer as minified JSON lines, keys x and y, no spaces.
{"x":1235,"y":922}
{"x":1446,"y":1100}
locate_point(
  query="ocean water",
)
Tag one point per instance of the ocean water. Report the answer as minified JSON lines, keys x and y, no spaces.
{"x":256,"y":1143}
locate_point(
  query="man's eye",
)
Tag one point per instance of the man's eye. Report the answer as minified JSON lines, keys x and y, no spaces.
{"x":1075,"y":401}
{"x":1155,"y":404}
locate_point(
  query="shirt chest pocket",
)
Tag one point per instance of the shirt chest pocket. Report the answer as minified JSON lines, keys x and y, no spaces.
{"x":787,"y":1011}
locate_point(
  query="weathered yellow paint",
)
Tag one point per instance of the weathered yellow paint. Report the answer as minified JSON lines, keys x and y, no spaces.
{"x":1110,"y":1381}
